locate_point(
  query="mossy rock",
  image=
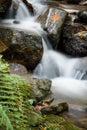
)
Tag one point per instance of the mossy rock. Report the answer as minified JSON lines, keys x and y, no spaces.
{"x":14,"y":101}
{"x":54,"y":122}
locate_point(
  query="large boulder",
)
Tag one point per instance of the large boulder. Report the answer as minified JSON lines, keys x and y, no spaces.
{"x":52,"y":21}
{"x":77,"y":45}
{"x":69,"y":32}
{"x":23,"y":47}
{"x":4,"y":6}
{"x":54,"y":25}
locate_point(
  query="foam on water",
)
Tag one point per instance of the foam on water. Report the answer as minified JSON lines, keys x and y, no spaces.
{"x":71,"y":90}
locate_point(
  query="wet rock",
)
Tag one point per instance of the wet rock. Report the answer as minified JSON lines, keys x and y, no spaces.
{"x":54,"y":24}
{"x":69,"y":31}
{"x":16,"y":22}
{"x":4,"y":6}
{"x":42,"y":19}
{"x":82,"y":15}
{"x":73,"y":1}
{"x":55,"y":109}
{"x":77,"y":45}
{"x":41,"y":87}
{"x":29,"y":6}
{"x":23,"y":47}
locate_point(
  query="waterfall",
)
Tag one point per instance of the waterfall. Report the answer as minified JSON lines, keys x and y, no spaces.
{"x":22,"y":11}
{"x":66,"y":80}
{"x":18,"y":10}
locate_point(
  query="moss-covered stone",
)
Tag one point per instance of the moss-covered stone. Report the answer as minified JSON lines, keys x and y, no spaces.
{"x":53,"y":122}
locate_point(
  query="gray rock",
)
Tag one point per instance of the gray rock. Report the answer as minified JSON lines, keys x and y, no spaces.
{"x":77,"y":45}
{"x":52,"y":21}
{"x":54,"y":24}
{"x":23,"y":47}
{"x":56,"y":109}
{"x":41,"y":87}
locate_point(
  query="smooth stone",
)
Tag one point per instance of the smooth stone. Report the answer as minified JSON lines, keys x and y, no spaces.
{"x":82,"y":15}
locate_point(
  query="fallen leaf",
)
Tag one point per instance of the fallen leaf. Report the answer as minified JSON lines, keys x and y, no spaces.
{"x":44,"y":104}
{"x":80,"y":35}
{"x":3,"y":47}
{"x":37,"y":107}
{"x":54,"y":17}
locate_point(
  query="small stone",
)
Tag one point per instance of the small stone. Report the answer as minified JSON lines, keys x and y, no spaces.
{"x":82,"y":15}
{"x":55,"y":109}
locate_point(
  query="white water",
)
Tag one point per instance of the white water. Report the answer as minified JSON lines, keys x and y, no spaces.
{"x":71,"y":90}
{"x":22,"y":12}
{"x":54,"y":65}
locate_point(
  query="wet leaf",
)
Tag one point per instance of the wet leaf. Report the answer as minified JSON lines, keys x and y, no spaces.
{"x":3,"y":47}
{"x":54,"y":17}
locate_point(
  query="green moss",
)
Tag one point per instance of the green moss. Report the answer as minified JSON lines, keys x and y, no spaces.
{"x":53,"y":122}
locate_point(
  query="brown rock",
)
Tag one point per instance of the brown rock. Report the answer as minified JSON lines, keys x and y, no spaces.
{"x":23,"y":47}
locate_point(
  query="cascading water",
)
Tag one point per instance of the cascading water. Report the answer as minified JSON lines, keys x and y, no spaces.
{"x":66,"y":80}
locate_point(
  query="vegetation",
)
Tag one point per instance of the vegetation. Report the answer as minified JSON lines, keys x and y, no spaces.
{"x":53,"y":122}
{"x":16,"y":111}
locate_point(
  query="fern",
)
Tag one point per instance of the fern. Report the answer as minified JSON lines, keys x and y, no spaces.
{"x":14,"y":98}
{"x":4,"y":120}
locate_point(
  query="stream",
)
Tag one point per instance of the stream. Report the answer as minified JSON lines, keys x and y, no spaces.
{"x":67,"y":83}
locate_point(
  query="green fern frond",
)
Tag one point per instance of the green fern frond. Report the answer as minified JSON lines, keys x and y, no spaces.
{"x":4,"y":120}
{"x":14,"y":98}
